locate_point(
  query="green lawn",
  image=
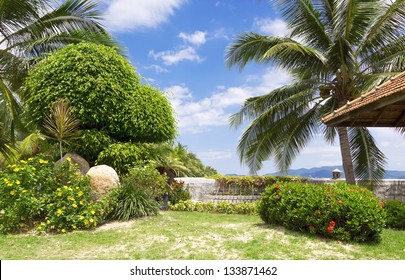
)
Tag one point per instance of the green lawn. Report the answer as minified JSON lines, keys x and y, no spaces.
{"x":184,"y":235}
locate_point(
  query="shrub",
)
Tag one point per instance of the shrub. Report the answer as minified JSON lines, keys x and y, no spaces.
{"x":34,"y":192}
{"x":133,"y":203}
{"x":91,"y":144}
{"x":105,"y":92}
{"x":395,"y":211}
{"x":123,"y":156}
{"x":246,"y":208}
{"x":178,"y":192}
{"x":339,"y":211}
{"x":146,"y":179}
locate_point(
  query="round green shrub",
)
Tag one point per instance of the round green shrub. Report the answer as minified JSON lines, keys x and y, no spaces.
{"x":339,"y":211}
{"x":145,"y":178}
{"x":395,"y":211}
{"x":104,"y":92}
{"x":122,"y":156}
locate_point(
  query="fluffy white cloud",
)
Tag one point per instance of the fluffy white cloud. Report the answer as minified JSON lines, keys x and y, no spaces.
{"x":197,"y":38}
{"x":269,"y":26}
{"x":158,"y":69}
{"x":127,"y":15}
{"x":173,"y":57}
{"x":197,"y":116}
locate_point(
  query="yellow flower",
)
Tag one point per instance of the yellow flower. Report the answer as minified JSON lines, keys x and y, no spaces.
{"x":65,"y":187}
{"x":81,"y":218}
{"x":70,"y":189}
{"x":91,"y":220}
{"x":69,"y":159}
{"x":42,"y":161}
{"x":30,"y":159}
{"x":23,"y":161}
{"x":81,"y":202}
{"x":92,"y":212}
{"x":59,"y":194}
{"x":9,"y":184}
{"x":16,"y":169}
{"x":95,"y":224}
{"x":12,"y":192}
{"x":58,"y":189}
{"x":74,"y":227}
{"x":70,"y":198}
{"x":48,"y":222}
{"x":33,"y":168}
{"x":80,"y":193}
{"x":51,"y":204}
{"x":24,"y":191}
{"x":59,"y":212}
{"x":63,"y":230}
{"x":17,"y":182}
{"x":74,"y":205}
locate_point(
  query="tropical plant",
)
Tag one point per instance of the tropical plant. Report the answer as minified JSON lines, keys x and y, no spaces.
{"x":61,"y":124}
{"x":105,"y":92}
{"x":29,"y":29}
{"x":336,"y":50}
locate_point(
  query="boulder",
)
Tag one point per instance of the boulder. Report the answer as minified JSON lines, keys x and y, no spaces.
{"x":103,"y":179}
{"x":82,"y":165}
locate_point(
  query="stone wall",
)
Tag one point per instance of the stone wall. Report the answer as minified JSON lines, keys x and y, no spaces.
{"x":203,"y":189}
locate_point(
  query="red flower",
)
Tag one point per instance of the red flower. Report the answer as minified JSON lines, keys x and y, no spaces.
{"x":277,"y":187}
{"x":382,"y":204}
{"x":332,"y":223}
{"x":340,"y":201}
{"x":330,"y":228}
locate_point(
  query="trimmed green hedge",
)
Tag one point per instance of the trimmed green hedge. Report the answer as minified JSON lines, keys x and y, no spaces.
{"x":247,"y":208}
{"x":395,"y":211}
{"x":339,"y":211}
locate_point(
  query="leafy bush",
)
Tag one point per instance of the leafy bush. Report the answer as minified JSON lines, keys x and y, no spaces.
{"x":34,"y":192}
{"x":178,"y":192}
{"x":339,"y":211}
{"x":247,"y":208}
{"x":146,"y":179}
{"x":91,"y":144}
{"x":133,"y":203}
{"x":104,"y":91}
{"x":123,"y":156}
{"x":395,"y":211}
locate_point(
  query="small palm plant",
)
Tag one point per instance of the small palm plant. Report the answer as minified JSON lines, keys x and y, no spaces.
{"x":61,"y":124}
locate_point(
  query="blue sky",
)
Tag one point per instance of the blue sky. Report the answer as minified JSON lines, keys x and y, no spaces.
{"x":179,"y":46}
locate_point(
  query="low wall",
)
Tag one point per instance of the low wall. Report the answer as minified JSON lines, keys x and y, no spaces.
{"x":203,"y":189}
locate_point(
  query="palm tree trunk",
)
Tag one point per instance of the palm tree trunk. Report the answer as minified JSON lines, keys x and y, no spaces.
{"x":346,"y":155}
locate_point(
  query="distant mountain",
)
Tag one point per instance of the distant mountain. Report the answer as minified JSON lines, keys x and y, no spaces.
{"x":326,"y":172}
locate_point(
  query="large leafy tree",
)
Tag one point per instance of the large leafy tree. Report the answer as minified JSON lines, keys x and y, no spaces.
{"x":337,"y":49}
{"x":28,"y":30}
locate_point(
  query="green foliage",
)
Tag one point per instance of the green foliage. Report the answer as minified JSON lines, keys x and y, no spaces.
{"x":249,"y":185}
{"x":104,"y":91}
{"x":339,"y":211}
{"x":132,"y":203}
{"x":91,"y":144}
{"x":35,"y":192}
{"x":395,"y":211}
{"x":146,"y":179}
{"x":248,"y":208}
{"x":122,"y":156}
{"x":178,"y":192}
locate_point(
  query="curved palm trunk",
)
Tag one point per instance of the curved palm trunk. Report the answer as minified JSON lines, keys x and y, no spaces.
{"x":346,"y":155}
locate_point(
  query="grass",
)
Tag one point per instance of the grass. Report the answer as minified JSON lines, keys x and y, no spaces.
{"x":185,"y":235}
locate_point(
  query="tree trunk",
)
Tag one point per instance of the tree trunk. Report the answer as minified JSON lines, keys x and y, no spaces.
{"x":346,"y":155}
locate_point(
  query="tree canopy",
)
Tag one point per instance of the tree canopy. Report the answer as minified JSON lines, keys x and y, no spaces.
{"x":336,"y":50}
{"x":104,"y":92}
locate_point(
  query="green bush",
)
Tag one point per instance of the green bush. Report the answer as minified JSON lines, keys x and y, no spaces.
{"x":245,"y":208}
{"x":123,"y":156}
{"x":395,"y":211}
{"x":339,"y":211}
{"x":178,"y":192}
{"x":146,"y":179}
{"x":104,"y":91}
{"x":91,"y":144}
{"x":133,"y":203}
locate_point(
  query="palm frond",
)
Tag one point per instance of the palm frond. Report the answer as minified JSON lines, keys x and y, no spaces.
{"x":369,"y":161}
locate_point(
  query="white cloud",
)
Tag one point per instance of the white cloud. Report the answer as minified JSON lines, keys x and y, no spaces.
{"x":127,"y":15}
{"x":269,"y":26}
{"x":215,"y":155}
{"x":158,"y":69}
{"x":197,"y":38}
{"x":202,"y":115}
{"x":173,"y":57}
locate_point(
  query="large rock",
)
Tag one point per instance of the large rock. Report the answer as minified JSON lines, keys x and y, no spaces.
{"x":103,"y":179}
{"x":82,"y":165}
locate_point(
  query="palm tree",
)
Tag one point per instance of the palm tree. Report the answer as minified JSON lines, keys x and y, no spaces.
{"x":29,"y":29}
{"x":337,"y":49}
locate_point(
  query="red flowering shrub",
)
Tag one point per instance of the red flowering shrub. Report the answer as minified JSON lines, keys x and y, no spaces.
{"x":339,"y":211}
